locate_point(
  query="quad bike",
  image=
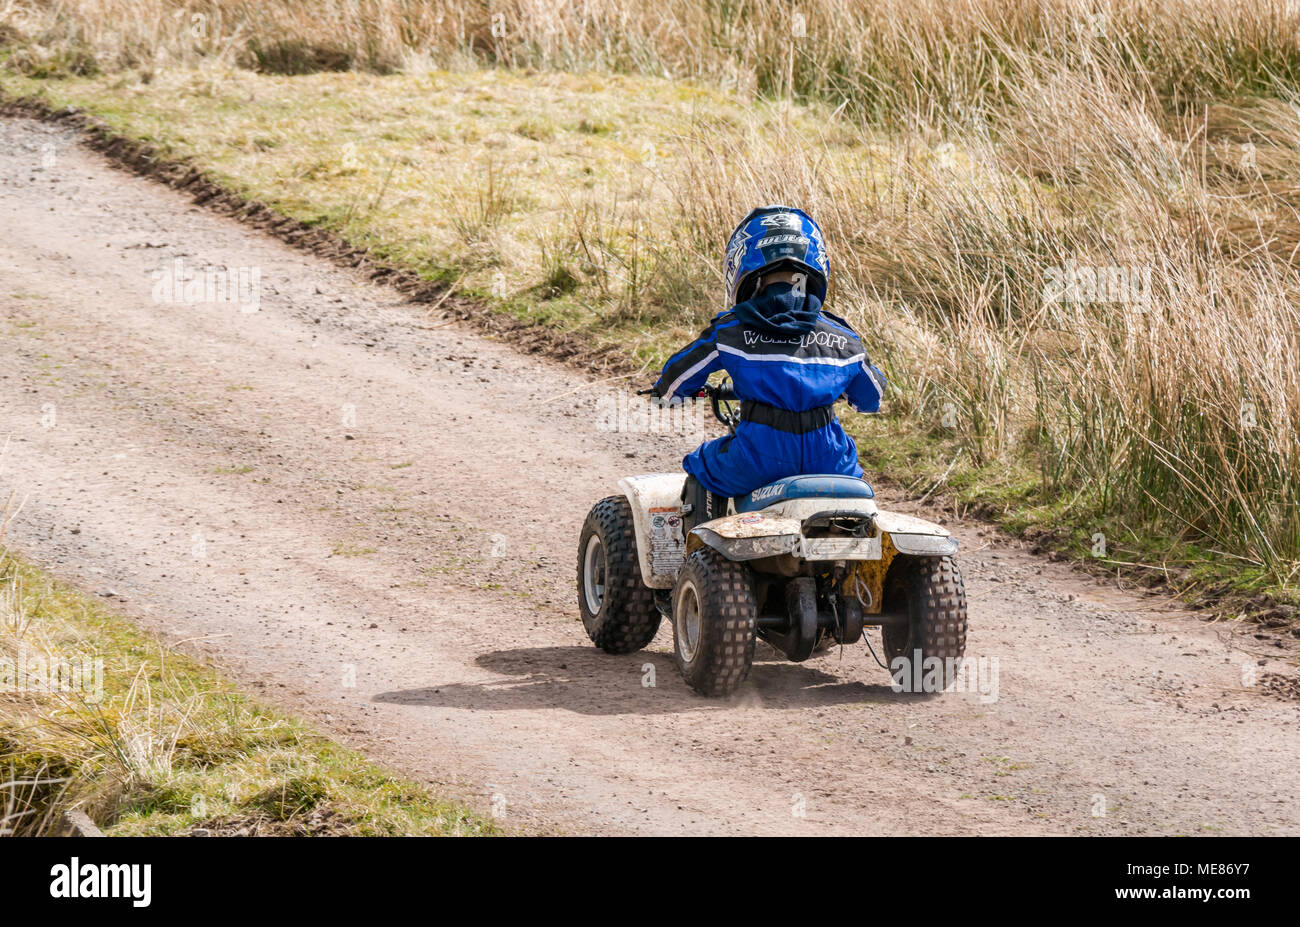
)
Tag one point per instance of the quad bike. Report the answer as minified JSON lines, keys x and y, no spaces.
{"x":803,"y":563}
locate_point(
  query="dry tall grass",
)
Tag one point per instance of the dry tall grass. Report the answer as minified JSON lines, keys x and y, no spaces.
{"x":923,"y":57}
{"x":1002,"y":145}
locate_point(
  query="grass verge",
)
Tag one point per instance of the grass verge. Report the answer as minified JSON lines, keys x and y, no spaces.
{"x":98,"y":716}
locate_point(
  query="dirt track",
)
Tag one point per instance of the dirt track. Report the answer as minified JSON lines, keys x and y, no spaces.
{"x":199,"y":463}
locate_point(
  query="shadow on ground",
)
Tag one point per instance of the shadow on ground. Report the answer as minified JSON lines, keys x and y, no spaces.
{"x":586,"y":681}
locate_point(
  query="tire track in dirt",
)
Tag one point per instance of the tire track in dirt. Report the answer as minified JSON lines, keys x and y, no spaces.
{"x":202,"y":463}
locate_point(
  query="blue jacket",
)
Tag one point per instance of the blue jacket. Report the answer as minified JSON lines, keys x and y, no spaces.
{"x":791,"y":369}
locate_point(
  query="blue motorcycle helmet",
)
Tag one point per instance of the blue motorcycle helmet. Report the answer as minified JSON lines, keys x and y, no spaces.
{"x":774,"y":238}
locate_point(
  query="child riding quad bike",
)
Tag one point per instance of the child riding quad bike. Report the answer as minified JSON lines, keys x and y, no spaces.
{"x":771,"y":532}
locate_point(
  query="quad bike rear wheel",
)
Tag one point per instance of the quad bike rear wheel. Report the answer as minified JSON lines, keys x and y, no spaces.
{"x":929,"y":590}
{"x":617,"y":608}
{"x":715,"y":618}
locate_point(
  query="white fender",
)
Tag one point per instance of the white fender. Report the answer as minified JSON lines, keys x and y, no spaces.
{"x":916,"y":536}
{"x":659,"y":549}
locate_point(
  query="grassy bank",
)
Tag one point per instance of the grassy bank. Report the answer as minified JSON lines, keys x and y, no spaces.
{"x":96,"y":715}
{"x":890,"y":60}
{"x":1067,"y":230}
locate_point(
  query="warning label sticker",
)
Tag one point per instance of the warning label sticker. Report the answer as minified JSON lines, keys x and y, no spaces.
{"x":667,"y":540}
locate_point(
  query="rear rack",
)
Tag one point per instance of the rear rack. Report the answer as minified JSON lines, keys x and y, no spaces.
{"x":846,"y":523}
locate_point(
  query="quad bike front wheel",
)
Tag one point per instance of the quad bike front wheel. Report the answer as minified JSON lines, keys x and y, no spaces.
{"x":925,"y":651}
{"x":617,"y":608}
{"x":715,"y":618}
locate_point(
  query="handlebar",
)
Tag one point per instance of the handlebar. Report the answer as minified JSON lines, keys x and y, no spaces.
{"x":723,"y":392}
{"x":720,"y":398}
